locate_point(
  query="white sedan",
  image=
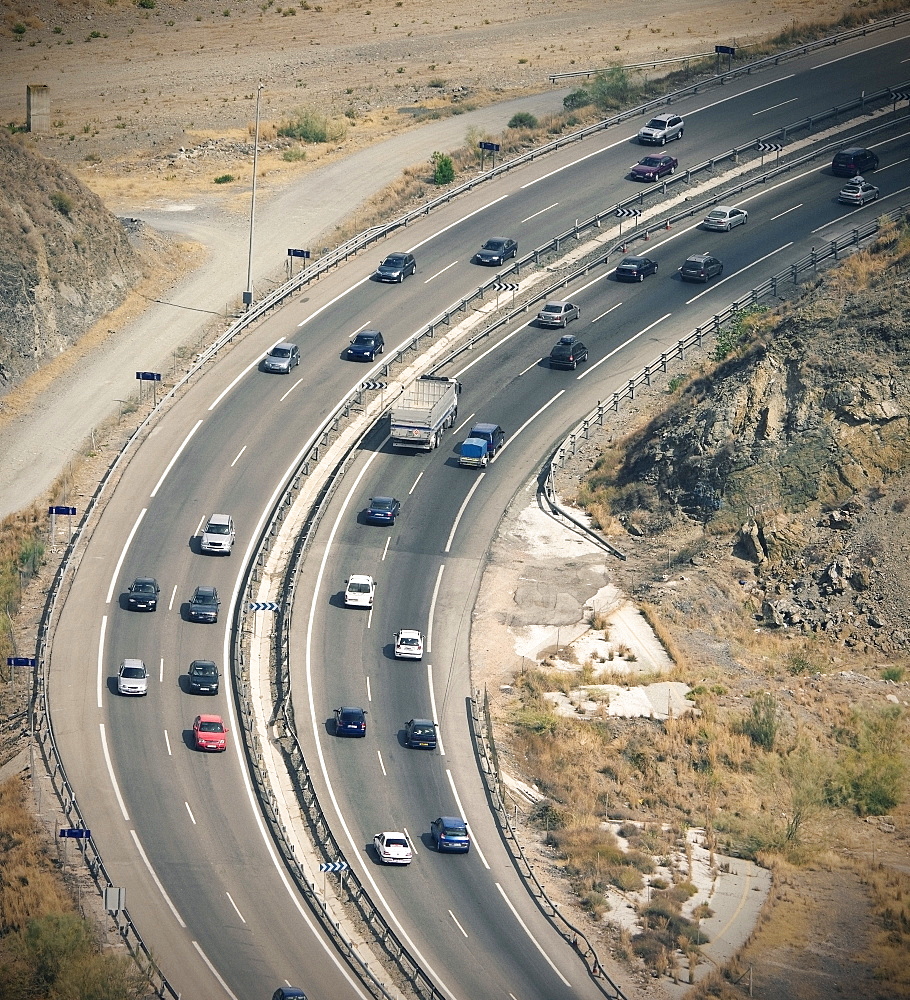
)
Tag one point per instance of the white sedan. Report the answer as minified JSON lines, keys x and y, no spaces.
{"x":359,"y":591}
{"x":724,"y":218}
{"x":408,"y":644}
{"x":393,"y":848}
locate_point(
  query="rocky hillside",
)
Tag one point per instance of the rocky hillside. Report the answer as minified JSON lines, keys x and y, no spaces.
{"x":798,"y":445}
{"x":66,"y":261}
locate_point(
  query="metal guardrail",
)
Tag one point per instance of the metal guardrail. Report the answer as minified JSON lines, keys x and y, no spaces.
{"x":799,"y":50}
{"x":482,"y":727}
{"x":650,"y":64}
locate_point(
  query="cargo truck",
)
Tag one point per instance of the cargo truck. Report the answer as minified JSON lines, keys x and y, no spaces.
{"x":424,"y":410}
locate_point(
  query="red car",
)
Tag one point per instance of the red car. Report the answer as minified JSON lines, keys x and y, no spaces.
{"x":209,"y":733}
{"x":652,"y":167}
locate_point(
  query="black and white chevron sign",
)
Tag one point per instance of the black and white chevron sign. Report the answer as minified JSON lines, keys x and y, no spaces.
{"x":334,"y":866}
{"x":900,"y":95}
{"x":370,"y":384}
{"x":623,"y":213}
{"x":506,"y":286}
{"x":770,"y":147}
{"x":264,"y":606}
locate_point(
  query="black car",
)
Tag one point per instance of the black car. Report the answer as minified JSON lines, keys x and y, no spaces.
{"x":382,"y":510}
{"x":203,"y":677}
{"x":496,"y":251}
{"x":635,"y":268}
{"x":853,"y":161}
{"x":142,"y":594}
{"x":701,"y":267}
{"x":288,"y":993}
{"x":350,"y":722}
{"x":204,"y":605}
{"x":450,"y":833}
{"x":420,"y":733}
{"x":366,"y":345}
{"x":567,"y":352}
{"x":396,"y":267}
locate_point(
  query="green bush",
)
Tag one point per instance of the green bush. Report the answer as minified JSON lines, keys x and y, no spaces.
{"x":577,"y":99}
{"x":62,"y":202}
{"x":146,"y":4}
{"x":19,"y":29}
{"x":293,"y":155}
{"x":523,"y":119}
{"x":893,"y":674}
{"x":443,"y":168}
{"x":762,"y":722}
{"x":311,"y":126}
{"x":225,"y":179}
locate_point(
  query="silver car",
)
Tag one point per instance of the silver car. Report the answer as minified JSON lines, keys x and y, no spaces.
{"x":218,"y":535}
{"x":857,"y":192}
{"x":132,"y":678}
{"x":724,"y":218}
{"x":281,"y":359}
{"x":557,"y":314}
{"x":661,"y":129}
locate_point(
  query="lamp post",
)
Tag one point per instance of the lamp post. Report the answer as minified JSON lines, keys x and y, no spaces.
{"x":248,"y":294}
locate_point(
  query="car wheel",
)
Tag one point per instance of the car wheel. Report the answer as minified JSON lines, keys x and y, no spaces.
{"x":672,"y":170}
{"x":663,"y":140}
{"x":414,"y":269}
{"x":656,"y":265}
{"x":401,"y":277}
{"x":680,"y":134}
{"x":641,"y":275}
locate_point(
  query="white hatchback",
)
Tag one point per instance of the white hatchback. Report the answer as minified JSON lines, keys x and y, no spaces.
{"x":359,"y":592}
{"x":393,"y":848}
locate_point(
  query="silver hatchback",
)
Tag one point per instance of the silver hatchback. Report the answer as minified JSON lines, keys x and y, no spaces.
{"x":132,"y":678}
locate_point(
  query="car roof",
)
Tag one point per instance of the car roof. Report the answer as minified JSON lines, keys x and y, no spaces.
{"x":699,"y":257}
{"x":851,"y":150}
{"x":219,"y":518}
{"x":201,"y":663}
{"x":451,"y":821}
{"x":393,"y":833}
{"x":484,"y":427}
{"x":721,"y":208}
{"x":203,"y":591}
{"x":144,"y":579}
{"x":368,"y":333}
{"x":284,"y":343}
{"x":557,"y":302}
{"x":408,"y":633}
{"x":498,"y":239}
{"x":210,"y":718}
{"x":350,"y":708}
{"x":422,"y":722}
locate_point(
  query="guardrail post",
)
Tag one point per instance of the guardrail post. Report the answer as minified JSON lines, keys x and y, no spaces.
{"x":631,"y":388}
{"x":615,"y":402}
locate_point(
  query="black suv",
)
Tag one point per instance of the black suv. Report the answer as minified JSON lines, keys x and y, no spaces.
{"x":567,"y":352}
{"x":853,"y":161}
{"x":420,"y":733}
{"x":701,"y":267}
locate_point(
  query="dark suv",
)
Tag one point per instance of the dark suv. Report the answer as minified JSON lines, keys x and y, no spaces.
{"x":853,"y":161}
{"x":567,"y":352}
{"x":701,"y":267}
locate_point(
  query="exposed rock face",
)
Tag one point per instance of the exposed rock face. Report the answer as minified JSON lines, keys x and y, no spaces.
{"x":65,"y":260}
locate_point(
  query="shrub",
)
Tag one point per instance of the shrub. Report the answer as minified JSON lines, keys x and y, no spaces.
{"x":577,"y":99}
{"x":293,"y":155}
{"x":762,"y":722}
{"x":146,"y":4}
{"x":893,"y":674}
{"x":443,"y":168}
{"x":523,"y":119}
{"x":225,"y":179}
{"x":62,"y":202}
{"x":311,"y":126}
{"x":19,"y":29}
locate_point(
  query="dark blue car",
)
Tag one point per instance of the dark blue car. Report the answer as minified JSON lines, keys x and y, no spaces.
{"x":450,"y":833}
{"x":382,"y":510}
{"x":350,"y":722}
{"x":366,"y":345}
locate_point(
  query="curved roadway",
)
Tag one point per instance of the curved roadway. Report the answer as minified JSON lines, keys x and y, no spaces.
{"x":179,"y":828}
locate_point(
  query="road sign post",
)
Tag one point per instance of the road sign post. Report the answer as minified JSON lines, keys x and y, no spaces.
{"x":725,"y":50}
{"x":54,"y":511}
{"x":485,"y":147}
{"x":154,"y":378}
{"x":292,"y":253}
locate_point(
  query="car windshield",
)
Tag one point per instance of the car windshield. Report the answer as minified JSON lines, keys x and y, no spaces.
{"x":203,"y":669}
{"x":631,"y":262}
{"x":280,"y":352}
{"x":656,"y":123}
{"x":395,"y":260}
{"x":650,"y":161}
{"x":133,"y":672}
{"x":143,"y":587}
{"x":217,"y":529}
{"x":422,"y":731}
{"x":351,"y":715}
{"x":356,"y":587}
{"x":365,"y":338}
{"x":552,"y":307}
{"x":204,"y":598}
{"x":409,"y":640}
{"x":396,"y":842}
{"x":717,"y":214}
{"x":211,"y":727}
{"x":494,"y":245}
{"x":382,"y":503}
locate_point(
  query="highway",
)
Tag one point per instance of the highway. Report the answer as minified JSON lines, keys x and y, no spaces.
{"x":179,"y":828}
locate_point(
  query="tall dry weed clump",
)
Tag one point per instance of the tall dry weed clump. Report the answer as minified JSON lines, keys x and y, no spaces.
{"x":22,"y":547}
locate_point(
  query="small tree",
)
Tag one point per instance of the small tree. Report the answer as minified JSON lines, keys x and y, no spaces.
{"x":443,"y":168}
{"x":577,"y":99}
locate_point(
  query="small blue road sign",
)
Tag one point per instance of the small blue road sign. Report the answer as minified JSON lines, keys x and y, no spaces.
{"x":493,"y":147}
{"x":298,"y":253}
{"x":20,"y":661}
{"x":76,"y":833}
{"x":61,"y":510}
{"x":148,"y":376}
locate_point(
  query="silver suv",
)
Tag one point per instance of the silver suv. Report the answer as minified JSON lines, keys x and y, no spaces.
{"x":218,"y":535}
{"x":661,"y":129}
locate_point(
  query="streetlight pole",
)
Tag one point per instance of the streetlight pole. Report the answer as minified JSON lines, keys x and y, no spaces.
{"x":248,"y":294}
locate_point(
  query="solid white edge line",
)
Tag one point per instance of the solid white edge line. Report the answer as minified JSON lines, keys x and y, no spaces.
{"x":214,"y":971}
{"x":533,"y":940}
{"x":623,"y":345}
{"x":177,"y":454}
{"x":101,"y":661}
{"x":442,"y":566}
{"x":433,"y":714}
{"x":157,"y":880}
{"x":474,"y":845}
{"x":461,"y":510}
{"x":110,"y":771}
{"x":314,"y":724}
{"x":123,"y":551}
